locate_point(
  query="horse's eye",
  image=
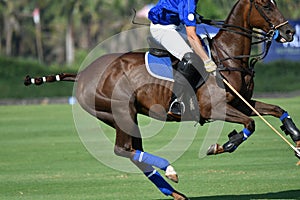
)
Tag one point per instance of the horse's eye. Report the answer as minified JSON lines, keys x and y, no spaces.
{"x":267,"y":7}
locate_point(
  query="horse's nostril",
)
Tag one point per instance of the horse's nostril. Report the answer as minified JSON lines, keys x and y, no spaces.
{"x":290,"y":32}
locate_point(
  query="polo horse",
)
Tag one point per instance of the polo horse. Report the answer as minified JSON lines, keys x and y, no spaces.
{"x":115,"y":88}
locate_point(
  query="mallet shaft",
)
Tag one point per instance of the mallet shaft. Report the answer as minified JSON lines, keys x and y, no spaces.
{"x":259,"y":115}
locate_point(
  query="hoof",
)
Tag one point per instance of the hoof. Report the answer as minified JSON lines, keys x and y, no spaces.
{"x":173,"y":178}
{"x":215,"y":149}
{"x":171,"y":174}
{"x":178,"y":196}
{"x":174,"y":117}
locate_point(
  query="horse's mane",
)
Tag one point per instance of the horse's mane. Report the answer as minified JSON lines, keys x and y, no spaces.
{"x":232,"y":10}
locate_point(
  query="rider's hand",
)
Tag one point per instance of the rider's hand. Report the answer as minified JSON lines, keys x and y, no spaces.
{"x":210,"y":66}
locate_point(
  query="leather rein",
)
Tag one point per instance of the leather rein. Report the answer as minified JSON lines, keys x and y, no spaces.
{"x":261,"y":37}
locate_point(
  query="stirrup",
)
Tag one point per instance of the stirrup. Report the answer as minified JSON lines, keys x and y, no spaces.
{"x":180,"y":109}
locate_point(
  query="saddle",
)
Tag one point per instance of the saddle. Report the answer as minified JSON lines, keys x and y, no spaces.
{"x":161,"y":64}
{"x":157,"y":49}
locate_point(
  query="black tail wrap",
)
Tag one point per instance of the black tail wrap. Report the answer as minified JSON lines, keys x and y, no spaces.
{"x":290,"y":129}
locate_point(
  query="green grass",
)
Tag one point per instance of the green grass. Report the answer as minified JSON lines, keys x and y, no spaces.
{"x":42,"y":157}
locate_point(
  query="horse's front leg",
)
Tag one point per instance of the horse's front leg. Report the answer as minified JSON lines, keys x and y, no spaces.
{"x":231,"y":114}
{"x":288,"y":126}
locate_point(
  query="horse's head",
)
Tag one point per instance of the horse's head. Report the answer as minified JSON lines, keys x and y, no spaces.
{"x":265,"y":15}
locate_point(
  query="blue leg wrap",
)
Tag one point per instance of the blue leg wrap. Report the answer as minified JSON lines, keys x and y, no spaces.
{"x":160,"y":182}
{"x":284,"y":116}
{"x":150,"y":159}
{"x":246,"y":133}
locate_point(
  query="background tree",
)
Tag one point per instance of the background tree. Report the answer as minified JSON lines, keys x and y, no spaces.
{"x":73,"y":26}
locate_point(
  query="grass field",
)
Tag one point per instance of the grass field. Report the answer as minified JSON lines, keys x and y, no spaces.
{"x":42,"y":157}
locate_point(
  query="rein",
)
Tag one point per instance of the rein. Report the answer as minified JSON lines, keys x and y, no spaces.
{"x":260,"y":36}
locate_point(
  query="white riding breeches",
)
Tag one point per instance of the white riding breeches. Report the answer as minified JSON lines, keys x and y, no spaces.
{"x":171,"y":37}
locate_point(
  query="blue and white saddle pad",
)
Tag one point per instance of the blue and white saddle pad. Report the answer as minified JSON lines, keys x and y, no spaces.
{"x":159,"y":67}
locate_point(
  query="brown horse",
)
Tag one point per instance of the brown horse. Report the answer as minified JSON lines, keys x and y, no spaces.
{"x":115,"y":88}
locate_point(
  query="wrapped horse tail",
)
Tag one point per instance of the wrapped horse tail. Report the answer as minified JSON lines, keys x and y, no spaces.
{"x":49,"y":79}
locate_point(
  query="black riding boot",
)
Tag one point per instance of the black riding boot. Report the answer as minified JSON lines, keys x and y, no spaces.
{"x":189,"y":71}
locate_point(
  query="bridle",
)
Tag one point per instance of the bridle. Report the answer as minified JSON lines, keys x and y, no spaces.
{"x":269,"y":36}
{"x":266,"y":18}
{"x":261,"y":37}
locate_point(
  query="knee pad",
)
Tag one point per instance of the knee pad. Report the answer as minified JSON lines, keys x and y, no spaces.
{"x":192,"y":68}
{"x":194,"y":60}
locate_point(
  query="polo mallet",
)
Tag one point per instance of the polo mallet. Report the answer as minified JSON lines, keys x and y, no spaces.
{"x":260,"y":116}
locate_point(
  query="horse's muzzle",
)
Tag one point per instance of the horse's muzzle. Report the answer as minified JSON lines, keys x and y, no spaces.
{"x":286,"y":33}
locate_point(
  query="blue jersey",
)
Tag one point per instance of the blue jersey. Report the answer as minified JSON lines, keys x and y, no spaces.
{"x":174,"y":12}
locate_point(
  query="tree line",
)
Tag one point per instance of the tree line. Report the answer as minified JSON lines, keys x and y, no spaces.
{"x":53,"y":30}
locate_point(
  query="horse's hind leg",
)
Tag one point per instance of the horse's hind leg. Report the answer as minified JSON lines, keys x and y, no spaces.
{"x":130,"y":146}
{"x":159,"y":181}
{"x":288,"y":126}
{"x":154,"y":175}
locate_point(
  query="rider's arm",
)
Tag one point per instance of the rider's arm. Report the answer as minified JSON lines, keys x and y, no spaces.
{"x":188,"y":17}
{"x":195,"y":42}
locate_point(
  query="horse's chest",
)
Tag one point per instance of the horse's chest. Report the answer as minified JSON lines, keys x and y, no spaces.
{"x":248,"y":86}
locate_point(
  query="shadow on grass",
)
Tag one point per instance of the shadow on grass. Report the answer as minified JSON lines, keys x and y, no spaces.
{"x":291,"y":194}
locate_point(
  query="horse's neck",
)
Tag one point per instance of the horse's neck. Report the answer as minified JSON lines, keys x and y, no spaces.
{"x":230,"y":44}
